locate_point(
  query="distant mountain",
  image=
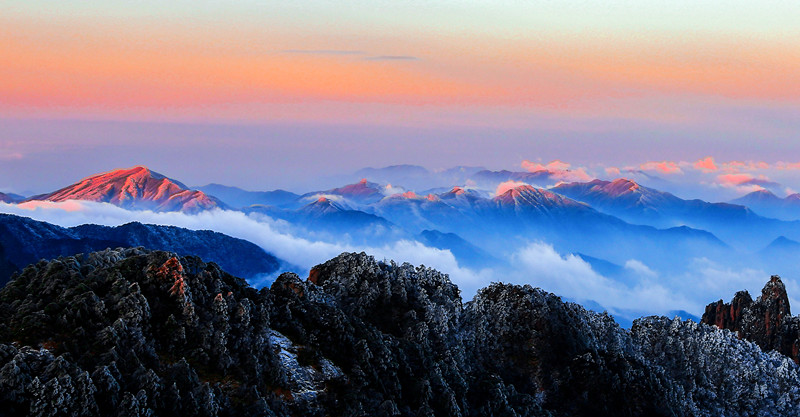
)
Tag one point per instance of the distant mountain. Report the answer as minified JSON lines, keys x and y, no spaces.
{"x":237,"y":197}
{"x":637,"y":204}
{"x":684,"y":315}
{"x":455,"y":194}
{"x":362,"y":192}
{"x":10,"y":198}
{"x":465,"y":253}
{"x":393,"y":172}
{"x":782,"y":243}
{"x":621,"y":196}
{"x":335,"y":221}
{"x":416,"y":213}
{"x":575,"y":227}
{"x":492,"y":178}
{"x":418,"y":178}
{"x":136,"y":188}
{"x":24,"y":241}
{"x":601,"y":266}
{"x":781,"y":254}
{"x":526,"y":198}
{"x":526,"y":214}
{"x":766,"y":203}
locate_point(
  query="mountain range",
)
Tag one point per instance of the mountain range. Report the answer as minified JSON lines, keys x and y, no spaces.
{"x":10,"y":198}
{"x":768,"y":204}
{"x":25,"y":241}
{"x":147,"y":320}
{"x":575,"y":218}
{"x":735,"y":224}
{"x":238,"y":198}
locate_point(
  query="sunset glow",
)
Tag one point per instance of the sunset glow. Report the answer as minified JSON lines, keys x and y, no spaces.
{"x":478,"y":84}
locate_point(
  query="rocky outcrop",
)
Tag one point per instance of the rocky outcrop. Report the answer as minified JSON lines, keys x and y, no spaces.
{"x":767,"y":321}
{"x":130,"y":332}
{"x":728,"y":316}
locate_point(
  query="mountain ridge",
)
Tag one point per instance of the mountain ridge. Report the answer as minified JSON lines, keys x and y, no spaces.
{"x":24,"y":241}
{"x":135,"y":188}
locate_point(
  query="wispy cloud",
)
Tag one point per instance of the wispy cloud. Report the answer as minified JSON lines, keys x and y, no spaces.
{"x":323,"y":51}
{"x":744,"y":182}
{"x":351,"y":52}
{"x":273,"y":236}
{"x":537,"y":263}
{"x":392,"y":58}
{"x":9,"y":155}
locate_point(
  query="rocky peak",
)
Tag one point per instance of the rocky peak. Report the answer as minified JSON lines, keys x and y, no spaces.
{"x":530,"y":196}
{"x":793,"y":197}
{"x":622,"y":185}
{"x":728,"y":316}
{"x":363,"y":192}
{"x":135,"y":188}
{"x":322,"y":205}
{"x":775,"y":292}
{"x":767,"y":321}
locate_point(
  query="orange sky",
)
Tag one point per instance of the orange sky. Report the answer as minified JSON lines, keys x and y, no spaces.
{"x":142,"y":69}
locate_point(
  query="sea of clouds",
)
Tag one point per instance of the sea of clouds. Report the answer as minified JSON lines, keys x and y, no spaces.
{"x":536,"y":263}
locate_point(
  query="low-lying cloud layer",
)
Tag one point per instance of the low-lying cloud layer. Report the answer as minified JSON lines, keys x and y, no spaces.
{"x":536,"y":263}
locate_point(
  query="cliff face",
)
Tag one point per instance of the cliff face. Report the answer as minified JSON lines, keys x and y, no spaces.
{"x":728,"y":316}
{"x":767,"y":321}
{"x":138,"y":333}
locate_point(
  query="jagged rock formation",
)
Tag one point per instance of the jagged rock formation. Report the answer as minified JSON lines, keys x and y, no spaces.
{"x":130,"y":332}
{"x":136,"y":188}
{"x":767,"y":321}
{"x":24,"y":241}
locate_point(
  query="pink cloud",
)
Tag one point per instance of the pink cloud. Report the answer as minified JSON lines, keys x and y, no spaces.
{"x":508,"y":185}
{"x":738,"y":166}
{"x":706,"y":165}
{"x":787,"y":165}
{"x":731,"y":180}
{"x":664,"y":167}
{"x":558,"y":170}
{"x":613,"y":171}
{"x":578,"y":174}
{"x":744,"y":182}
{"x":555,"y":165}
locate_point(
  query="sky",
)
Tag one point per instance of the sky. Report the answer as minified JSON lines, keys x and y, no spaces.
{"x":267,"y":94}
